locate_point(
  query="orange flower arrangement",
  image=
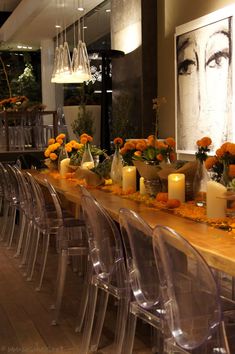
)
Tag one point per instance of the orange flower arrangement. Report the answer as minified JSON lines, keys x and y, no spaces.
{"x":203,"y":148}
{"x":223,"y":163}
{"x":13,"y":103}
{"x":149,"y":149}
{"x":54,"y":147}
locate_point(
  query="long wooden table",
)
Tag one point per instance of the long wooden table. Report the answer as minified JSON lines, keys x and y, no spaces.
{"x":215,"y":245}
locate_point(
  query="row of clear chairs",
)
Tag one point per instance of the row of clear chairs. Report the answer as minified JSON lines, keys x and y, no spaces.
{"x":33,"y":220}
{"x":155,"y":275}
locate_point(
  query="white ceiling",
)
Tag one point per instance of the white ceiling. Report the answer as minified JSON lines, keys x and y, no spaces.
{"x":35,"y":20}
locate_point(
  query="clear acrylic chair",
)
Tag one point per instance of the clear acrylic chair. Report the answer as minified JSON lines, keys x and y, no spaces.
{"x":47,"y":223}
{"x":11,"y":203}
{"x":143,"y":276}
{"x":108,"y":274}
{"x":70,"y":242}
{"x":190,"y":296}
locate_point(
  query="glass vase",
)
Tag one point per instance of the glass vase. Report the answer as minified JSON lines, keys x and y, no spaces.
{"x":200,"y":184}
{"x":116,"y":167}
{"x":87,"y":158}
{"x":62,"y":155}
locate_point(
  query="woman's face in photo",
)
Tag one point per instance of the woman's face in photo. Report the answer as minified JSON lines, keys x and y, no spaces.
{"x":204,"y":83}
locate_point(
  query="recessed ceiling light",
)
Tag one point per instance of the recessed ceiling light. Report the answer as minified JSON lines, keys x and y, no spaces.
{"x":24,"y":47}
{"x":108,"y":10}
{"x":80,"y":9}
{"x":30,"y":47}
{"x":84,"y":27}
{"x":19,"y":46}
{"x":57,"y":26}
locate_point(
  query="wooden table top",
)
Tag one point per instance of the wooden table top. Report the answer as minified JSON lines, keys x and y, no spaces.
{"x":215,"y":245}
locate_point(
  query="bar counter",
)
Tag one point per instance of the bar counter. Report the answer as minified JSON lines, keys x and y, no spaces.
{"x":216,"y":246}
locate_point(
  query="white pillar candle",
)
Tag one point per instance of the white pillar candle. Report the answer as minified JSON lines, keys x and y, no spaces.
{"x":88,"y":165}
{"x":129,"y":178}
{"x":64,"y":166}
{"x":176,"y":186}
{"x":215,"y":204}
{"x":142,"y":186}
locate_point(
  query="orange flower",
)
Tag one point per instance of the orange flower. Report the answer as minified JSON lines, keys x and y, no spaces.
{"x":151,"y":140}
{"x":47,"y":153}
{"x":159,"y":157}
{"x":60,"y":136}
{"x":210,"y":162}
{"x":53,"y":156}
{"x":172,"y":156}
{"x":219,"y":152}
{"x":141,"y":145}
{"x":60,"y":141}
{"x":138,"y":153}
{"x":170,"y":141}
{"x":231,"y":170}
{"x":204,"y":142}
{"x":89,"y":138}
{"x":84,"y":135}
{"x":68,"y":148}
{"x":231,"y":148}
{"x":118,"y":141}
{"x":172,"y":203}
{"x":129,"y":145}
{"x":224,"y":147}
{"x":161,"y":145}
{"x":123,"y":151}
{"x":83,"y":140}
{"x":51,"y":141}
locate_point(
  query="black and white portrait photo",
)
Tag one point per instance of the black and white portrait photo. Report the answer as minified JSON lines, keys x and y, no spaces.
{"x":204,"y":85}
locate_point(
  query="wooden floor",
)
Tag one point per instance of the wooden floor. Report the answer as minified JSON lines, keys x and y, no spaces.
{"x":25,"y":314}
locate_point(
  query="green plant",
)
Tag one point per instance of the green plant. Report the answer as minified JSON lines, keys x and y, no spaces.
{"x":83,"y":123}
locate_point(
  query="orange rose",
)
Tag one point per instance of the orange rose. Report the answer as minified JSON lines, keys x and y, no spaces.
{"x":47,"y":153}
{"x":53,"y":156}
{"x":151,"y":140}
{"x":224,"y":147}
{"x":172,"y":156}
{"x":60,"y":136}
{"x":118,"y":141}
{"x":83,"y":140}
{"x":141,"y":145}
{"x":123,"y":151}
{"x":138,"y":153}
{"x":204,"y":142}
{"x":170,"y":141}
{"x":89,"y":138}
{"x":210,"y":162}
{"x":159,"y":157}
{"x":60,"y":141}
{"x":219,"y":152}
{"x":68,"y":148}
{"x":231,"y":148}
{"x":129,"y":145}
{"x":231,"y":170}
{"x":51,"y":141}
{"x":161,"y":145}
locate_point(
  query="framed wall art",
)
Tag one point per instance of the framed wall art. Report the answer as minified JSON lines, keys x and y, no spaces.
{"x":204,"y":80}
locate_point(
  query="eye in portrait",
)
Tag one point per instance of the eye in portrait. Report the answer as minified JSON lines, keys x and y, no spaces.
{"x":204,"y":85}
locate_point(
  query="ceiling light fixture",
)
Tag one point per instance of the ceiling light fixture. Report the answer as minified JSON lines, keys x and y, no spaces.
{"x":77,"y":69}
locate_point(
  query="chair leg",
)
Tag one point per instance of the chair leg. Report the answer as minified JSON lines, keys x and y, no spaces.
{"x":130,"y":334}
{"x":45,"y":247}
{"x":123,"y":310}
{"x":103,"y":302}
{"x":31,"y":265}
{"x":84,"y":297}
{"x":12,"y":223}
{"x":91,"y":305}
{"x":21,"y":236}
{"x":5,"y":220}
{"x":61,"y":277}
{"x":26,"y":245}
